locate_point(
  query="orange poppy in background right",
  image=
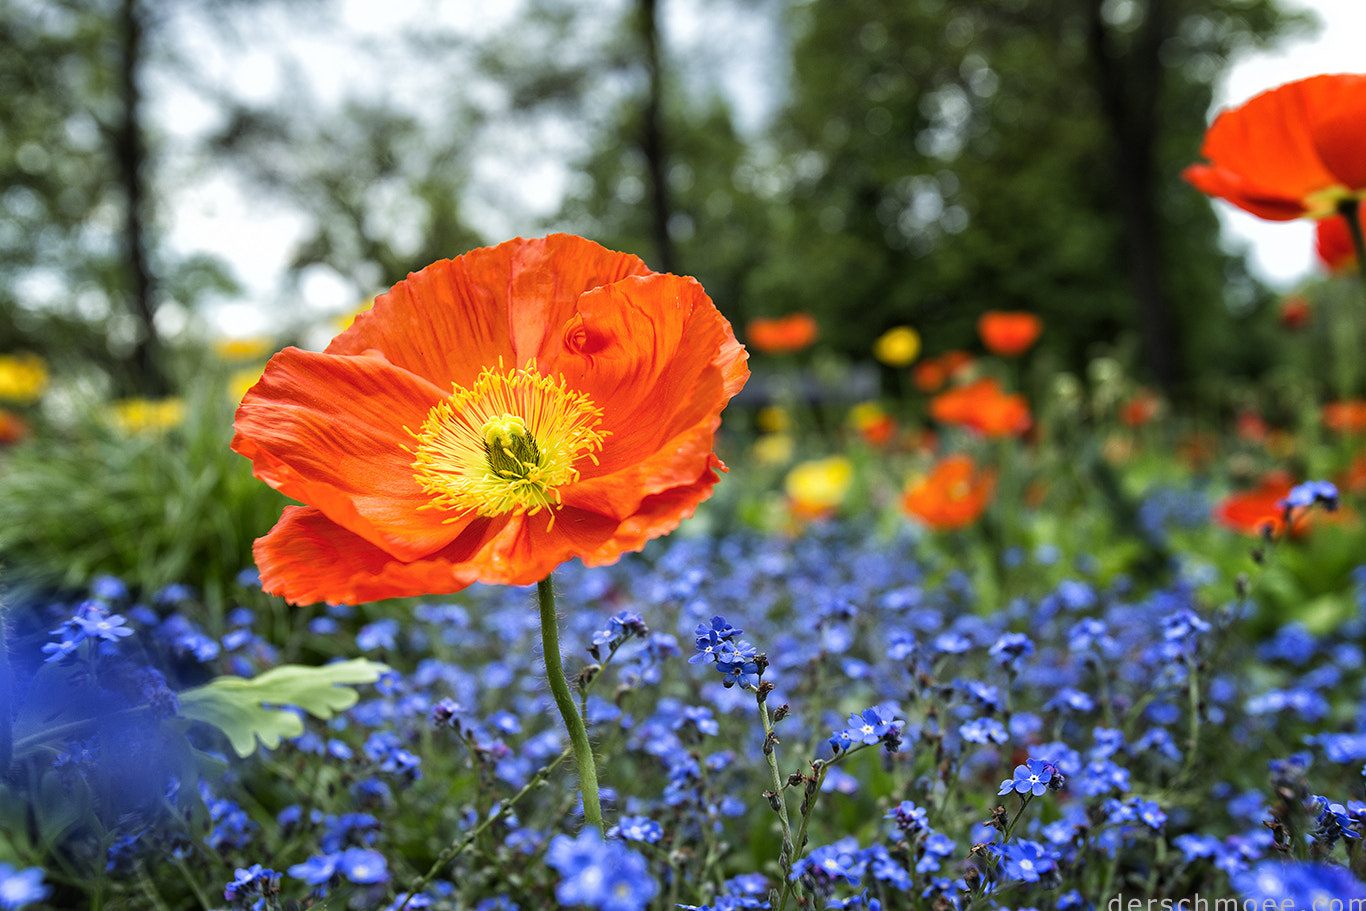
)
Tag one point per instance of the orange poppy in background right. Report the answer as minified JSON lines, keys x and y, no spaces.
{"x":783,"y":335}
{"x":953,"y":495}
{"x":1291,"y":152}
{"x":1009,"y":333}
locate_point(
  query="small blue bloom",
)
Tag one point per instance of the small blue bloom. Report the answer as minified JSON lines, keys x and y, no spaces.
{"x":637,"y":828}
{"x":19,"y":887}
{"x":1025,"y":860}
{"x":363,"y":866}
{"x":1031,"y":778}
{"x":1310,"y":493}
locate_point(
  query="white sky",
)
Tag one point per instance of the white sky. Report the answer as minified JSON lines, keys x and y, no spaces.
{"x":1283,"y":251}
{"x":212,"y":214}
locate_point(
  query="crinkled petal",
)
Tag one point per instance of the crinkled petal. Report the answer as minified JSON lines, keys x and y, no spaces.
{"x":458,"y":316}
{"x":661,"y":363}
{"x":307,"y":558}
{"x":328,"y":430}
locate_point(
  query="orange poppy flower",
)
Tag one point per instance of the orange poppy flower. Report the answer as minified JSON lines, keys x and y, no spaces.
{"x":1139,"y":410}
{"x":1260,"y":511}
{"x":931,"y":374}
{"x":1292,"y":152}
{"x":1347,"y":416}
{"x":1333,"y":243}
{"x":12,"y":428}
{"x":1009,"y":333}
{"x":982,"y":406}
{"x":783,"y":335}
{"x":952,"y":495}
{"x":875,"y":425}
{"x":491,"y":417}
{"x":1294,"y":312}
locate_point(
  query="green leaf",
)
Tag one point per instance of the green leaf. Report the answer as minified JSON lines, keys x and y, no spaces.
{"x":246,"y":710}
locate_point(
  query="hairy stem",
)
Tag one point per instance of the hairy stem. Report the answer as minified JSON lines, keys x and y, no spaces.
{"x":564,"y":700}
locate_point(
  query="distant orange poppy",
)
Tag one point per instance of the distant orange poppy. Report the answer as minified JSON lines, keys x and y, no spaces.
{"x":1292,"y":152}
{"x":489,"y":418}
{"x":1333,"y":243}
{"x":1294,"y":312}
{"x":12,"y":428}
{"x":1140,"y":409}
{"x":874,"y":424}
{"x":953,"y":495}
{"x":1009,"y":333}
{"x":783,"y":335}
{"x":982,"y":406}
{"x":931,"y":374}
{"x":1348,"y":416}
{"x":1258,"y":511}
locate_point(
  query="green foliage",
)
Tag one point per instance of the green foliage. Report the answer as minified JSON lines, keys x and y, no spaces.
{"x":248,"y":710}
{"x":151,"y":507}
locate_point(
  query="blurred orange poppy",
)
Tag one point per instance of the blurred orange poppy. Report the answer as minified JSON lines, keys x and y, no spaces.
{"x":783,"y":335}
{"x":1292,"y":152}
{"x":1294,"y":312}
{"x":953,"y":495}
{"x":982,"y":406}
{"x":874,"y":424}
{"x":1258,"y":511}
{"x":931,"y":374}
{"x":12,"y":428}
{"x":1009,"y":333}
{"x":1348,"y":416}
{"x":1139,"y":410}
{"x":1333,"y":243}
{"x":489,"y":418}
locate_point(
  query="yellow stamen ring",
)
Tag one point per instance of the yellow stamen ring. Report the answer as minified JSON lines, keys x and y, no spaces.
{"x":505,"y":444}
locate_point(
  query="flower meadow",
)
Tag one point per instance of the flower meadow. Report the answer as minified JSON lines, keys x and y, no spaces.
{"x":561,"y":609}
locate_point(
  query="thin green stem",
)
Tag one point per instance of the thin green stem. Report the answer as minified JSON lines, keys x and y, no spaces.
{"x":564,"y":700}
{"x":1350,"y":210}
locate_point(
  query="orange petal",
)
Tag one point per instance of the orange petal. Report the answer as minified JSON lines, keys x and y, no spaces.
{"x":329,"y":431}
{"x":458,"y":316}
{"x":1337,"y":122}
{"x":1226,"y":184}
{"x":307,"y":558}
{"x":661,"y":363}
{"x":1268,"y":143}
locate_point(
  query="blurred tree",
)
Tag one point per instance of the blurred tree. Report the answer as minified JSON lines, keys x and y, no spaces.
{"x":948,"y":158}
{"x":87,"y":268}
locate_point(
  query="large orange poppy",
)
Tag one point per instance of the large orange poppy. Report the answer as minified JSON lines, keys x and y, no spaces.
{"x":984,"y":407}
{"x":491,"y":417}
{"x":1292,"y":152}
{"x":952,"y":495}
{"x":782,"y":335}
{"x":1009,"y":333}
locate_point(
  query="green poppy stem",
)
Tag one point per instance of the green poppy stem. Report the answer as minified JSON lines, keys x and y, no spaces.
{"x":1350,"y":211}
{"x":564,"y":700}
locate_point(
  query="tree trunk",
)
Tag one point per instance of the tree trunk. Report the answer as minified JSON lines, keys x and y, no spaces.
{"x":652,"y":139}
{"x":147,"y":371}
{"x":1129,"y":86}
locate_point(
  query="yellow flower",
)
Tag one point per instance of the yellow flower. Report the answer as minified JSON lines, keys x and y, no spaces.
{"x":819,"y":486}
{"x":132,"y":416}
{"x":344,"y":321}
{"x":23,"y":378}
{"x":242,"y":380}
{"x":248,"y":348}
{"x":773,"y":449}
{"x":773,"y":419}
{"x":897,"y":347}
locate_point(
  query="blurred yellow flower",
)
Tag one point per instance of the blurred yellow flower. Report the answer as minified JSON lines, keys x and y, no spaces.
{"x":247,"y":348}
{"x":132,"y":416}
{"x":23,"y":378}
{"x":773,"y":449}
{"x":773,"y":419}
{"x":819,"y":486}
{"x":897,"y":347}
{"x":242,"y":380}
{"x":344,"y":321}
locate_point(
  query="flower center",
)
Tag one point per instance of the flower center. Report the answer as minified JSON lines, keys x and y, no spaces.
{"x":505,"y":444}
